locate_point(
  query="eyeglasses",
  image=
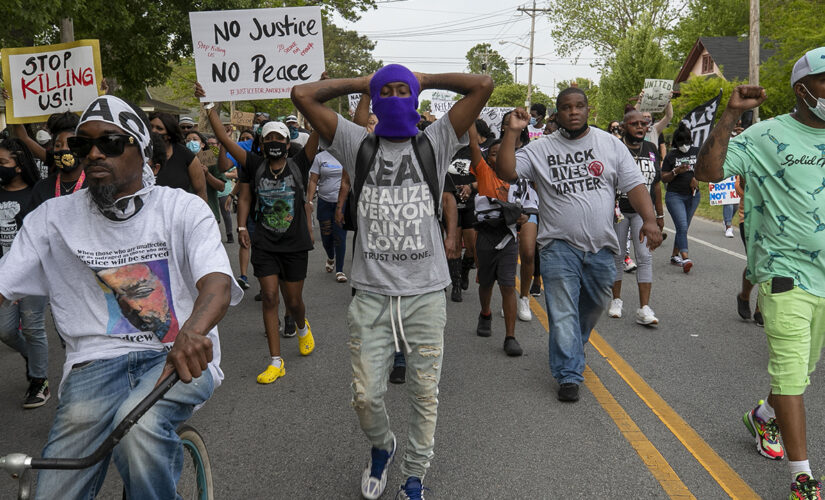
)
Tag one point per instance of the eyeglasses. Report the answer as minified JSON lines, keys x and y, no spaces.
{"x":109,"y":145}
{"x":637,"y":123}
{"x":187,"y":127}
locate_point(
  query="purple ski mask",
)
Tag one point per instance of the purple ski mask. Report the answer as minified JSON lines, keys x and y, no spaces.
{"x":397,"y":116}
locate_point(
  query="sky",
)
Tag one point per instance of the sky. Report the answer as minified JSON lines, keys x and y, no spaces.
{"x":433,"y":36}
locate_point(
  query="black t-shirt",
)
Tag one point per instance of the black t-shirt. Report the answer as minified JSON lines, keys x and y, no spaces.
{"x":45,"y":190}
{"x":175,"y":173}
{"x":277,"y":204}
{"x":12,"y":204}
{"x":681,"y":182}
{"x":459,"y":173}
{"x":647,"y":158}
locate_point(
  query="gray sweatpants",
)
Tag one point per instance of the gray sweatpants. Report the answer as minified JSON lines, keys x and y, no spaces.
{"x":632,"y":223}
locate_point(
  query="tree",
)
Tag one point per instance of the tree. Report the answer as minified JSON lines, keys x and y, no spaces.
{"x":424,"y":106}
{"x":482,"y":59}
{"x":514,"y":94}
{"x":580,"y":82}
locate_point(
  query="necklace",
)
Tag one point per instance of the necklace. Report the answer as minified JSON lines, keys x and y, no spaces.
{"x":58,"y":186}
{"x":277,"y":173}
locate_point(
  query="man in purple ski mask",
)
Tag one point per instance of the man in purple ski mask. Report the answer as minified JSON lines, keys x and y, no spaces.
{"x":399,"y":266}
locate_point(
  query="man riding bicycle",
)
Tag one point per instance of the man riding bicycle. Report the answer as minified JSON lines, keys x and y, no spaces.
{"x":139,"y":279}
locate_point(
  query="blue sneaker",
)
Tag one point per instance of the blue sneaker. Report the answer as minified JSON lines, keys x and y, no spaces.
{"x":411,"y":490}
{"x":374,"y":478}
{"x":243,"y":282}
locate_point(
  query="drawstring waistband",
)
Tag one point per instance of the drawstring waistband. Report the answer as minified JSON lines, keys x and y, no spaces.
{"x":400,"y":327}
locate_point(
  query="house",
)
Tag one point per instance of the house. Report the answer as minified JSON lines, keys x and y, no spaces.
{"x":723,"y":56}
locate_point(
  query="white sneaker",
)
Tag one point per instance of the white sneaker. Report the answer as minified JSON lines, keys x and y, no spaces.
{"x":524,"y":313}
{"x":729,"y":232}
{"x":645,"y":316}
{"x":615,"y":310}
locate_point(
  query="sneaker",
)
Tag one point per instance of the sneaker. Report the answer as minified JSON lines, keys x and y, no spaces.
{"x":645,"y":316}
{"x":758,"y":319}
{"x":306,"y":343}
{"x":456,"y":295}
{"x":615,"y":310}
{"x":523,"y":306}
{"x":743,"y":307}
{"x":805,"y":487}
{"x":535,"y":288}
{"x":629,"y":265}
{"x":676,"y":260}
{"x":289,"y":326}
{"x":729,"y":232}
{"x":271,"y":374}
{"x":766,"y":434}
{"x":243,"y":282}
{"x":398,"y":375}
{"x":465,"y":279}
{"x":340,"y":277}
{"x":258,"y":297}
{"x":687,"y":264}
{"x":512,"y":347}
{"x":568,"y":393}
{"x":330,"y":265}
{"x":374,"y":478}
{"x":411,"y":490}
{"x":485,"y":326}
{"x":229,"y":239}
{"x":37,"y":394}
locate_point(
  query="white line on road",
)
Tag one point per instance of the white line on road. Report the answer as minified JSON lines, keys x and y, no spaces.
{"x":711,"y":245}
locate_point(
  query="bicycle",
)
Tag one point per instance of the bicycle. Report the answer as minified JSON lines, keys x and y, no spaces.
{"x":196,"y":477}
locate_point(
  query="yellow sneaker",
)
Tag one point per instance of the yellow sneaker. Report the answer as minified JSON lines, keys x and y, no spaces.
{"x":271,"y":374}
{"x":306,"y":344}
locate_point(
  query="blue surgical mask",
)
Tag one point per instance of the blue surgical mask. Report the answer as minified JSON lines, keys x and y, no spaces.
{"x":532,"y":121}
{"x":194,"y":146}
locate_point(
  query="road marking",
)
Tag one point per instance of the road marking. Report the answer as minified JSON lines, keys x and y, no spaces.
{"x":652,"y":458}
{"x":711,"y":245}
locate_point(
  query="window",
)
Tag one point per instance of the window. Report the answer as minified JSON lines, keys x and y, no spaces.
{"x":707,"y":64}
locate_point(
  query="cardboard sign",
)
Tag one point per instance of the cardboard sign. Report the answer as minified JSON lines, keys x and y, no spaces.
{"x":244,"y":55}
{"x":50,"y":79}
{"x":242,"y":119}
{"x":656,"y":95}
{"x":723,"y":193}
{"x":207,"y":157}
{"x":491,"y":115}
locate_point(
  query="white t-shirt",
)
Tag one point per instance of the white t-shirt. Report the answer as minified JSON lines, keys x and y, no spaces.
{"x":329,"y":172}
{"x":118,"y":286}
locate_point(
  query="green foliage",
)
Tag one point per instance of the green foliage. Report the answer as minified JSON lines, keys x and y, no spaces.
{"x":514,"y":94}
{"x":580,"y":82}
{"x":698,"y":90}
{"x":707,"y":18}
{"x":424,"y":106}
{"x":482,"y":59}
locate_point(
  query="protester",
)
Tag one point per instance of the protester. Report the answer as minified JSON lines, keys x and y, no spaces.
{"x":225,"y":201}
{"x":535,"y":129}
{"x":22,"y":325}
{"x":783,"y":239}
{"x":683,"y":195}
{"x":655,"y":131}
{"x":462,"y":179}
{"x":187,"y":125}
{"x":743,"y":305}
{"x":183,"y":170}
{"x":396,"y":297}
{"x":215,"y":180}
{"x":124,"y":327}
{"x":615,"y":128}
{"x":325,"y":176}
{"x":577,"y":240}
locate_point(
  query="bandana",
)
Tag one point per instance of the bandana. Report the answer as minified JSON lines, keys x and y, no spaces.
{"x":397,"y":116}
{"x":111,"y":109}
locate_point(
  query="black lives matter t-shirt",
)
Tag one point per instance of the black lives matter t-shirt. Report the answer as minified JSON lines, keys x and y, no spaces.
{"x":12,"y":204}
{"x":681,"y":182}
{"x":278,"y":204}
{"x":647,"y":159}
{"x":459,"y":173}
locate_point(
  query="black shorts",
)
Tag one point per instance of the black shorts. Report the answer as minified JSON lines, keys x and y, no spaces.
{"x":466,"y":217}
{"x":496,"y":265}
{"x":291,"y":266}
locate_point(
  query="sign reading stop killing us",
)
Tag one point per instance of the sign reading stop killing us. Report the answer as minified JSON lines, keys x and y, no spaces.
{"x":245,"y":55}
{"x":50,"y":79}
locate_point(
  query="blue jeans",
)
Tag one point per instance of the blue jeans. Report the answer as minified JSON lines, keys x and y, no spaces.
{"x":333,"y":236}
{"x":681,"y":208}
{"x":577,"y":288}
{"x":33,"y":343}
{"x":727,"y":213}
{"x":94,"y":399}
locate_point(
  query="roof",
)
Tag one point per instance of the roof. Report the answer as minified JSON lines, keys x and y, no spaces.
{"x":730,"y":53}
{"x":149,"y":104}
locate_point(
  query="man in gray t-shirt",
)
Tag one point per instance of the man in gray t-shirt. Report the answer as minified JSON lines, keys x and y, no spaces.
{"x":577,"y":171}
{"x":399,"y":268}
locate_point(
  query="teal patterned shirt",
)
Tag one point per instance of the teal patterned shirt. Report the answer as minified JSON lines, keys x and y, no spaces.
{"x":783,"y":163}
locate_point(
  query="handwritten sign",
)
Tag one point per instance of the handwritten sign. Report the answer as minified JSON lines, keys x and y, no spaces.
{"x":491,"y":115}
{"x":723,"y":193}
{"x":242,"y":119}
{"x":256,"y":53}
{"x":50,"y":79}
{"x":656,"y":95}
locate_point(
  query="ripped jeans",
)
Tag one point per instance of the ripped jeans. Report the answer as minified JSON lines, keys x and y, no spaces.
{"x":372,"y":347}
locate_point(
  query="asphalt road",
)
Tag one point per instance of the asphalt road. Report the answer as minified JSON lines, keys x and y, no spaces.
{"x":501,"y":432}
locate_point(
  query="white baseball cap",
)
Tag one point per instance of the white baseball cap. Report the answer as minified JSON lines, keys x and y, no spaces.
{"x":277,"y":127}
{"x":812,"y":63}
{"x":290,"y":119}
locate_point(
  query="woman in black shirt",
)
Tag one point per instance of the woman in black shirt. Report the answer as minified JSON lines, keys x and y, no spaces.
{"x":182,"y":169}
{"x":682,"y":196}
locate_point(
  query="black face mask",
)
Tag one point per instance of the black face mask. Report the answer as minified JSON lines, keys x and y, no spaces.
{"x":572,"y":133}
{"x":633,"y":140}
{"x":274,"y":150}
{"x":65,"y":160}
{"x":7,"y":174}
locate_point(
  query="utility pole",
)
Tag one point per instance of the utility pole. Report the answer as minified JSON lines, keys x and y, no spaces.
{"x":753,"y":51}
{"x":66,"y":30}
{"x":532,"y":13}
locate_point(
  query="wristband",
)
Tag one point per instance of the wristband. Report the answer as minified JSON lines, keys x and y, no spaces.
{"x":241,"y":229}
{"x":208,"y":106}
{"x":660,"y":216}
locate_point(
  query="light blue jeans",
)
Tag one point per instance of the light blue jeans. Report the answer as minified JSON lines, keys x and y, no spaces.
{"x":33,"y":343}
{"x":372,"y":351}
{"x":577,"y":288}
{"x":94,"y":399}
{"x":727,"y":213}
{"x":681,"y":208}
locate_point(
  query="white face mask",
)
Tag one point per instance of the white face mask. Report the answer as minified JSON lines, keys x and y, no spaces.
{"x":684,"y":148}
{"x":819,"y":109}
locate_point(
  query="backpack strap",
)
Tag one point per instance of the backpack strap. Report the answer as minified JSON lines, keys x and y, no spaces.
{"x":363,"y":163}
{"x":297,"y":175}
{"x":424,"y":153}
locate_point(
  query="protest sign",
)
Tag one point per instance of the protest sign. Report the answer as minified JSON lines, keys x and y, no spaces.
{"x":700,"y":120}
{"x":50,"y":79}
{"x":723,"y":193}
{"x":656,"y":95}
{"x":207,"y":157}
{"x":256,"y":53}
{"x":241,"y":118}
{"x":491,"y":115}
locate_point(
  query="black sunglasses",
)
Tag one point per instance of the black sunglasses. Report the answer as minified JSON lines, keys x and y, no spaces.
{"x":109,"y":145}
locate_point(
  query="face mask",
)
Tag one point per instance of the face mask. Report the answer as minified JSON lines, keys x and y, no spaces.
{"x":572,"y":134}
{"x":274,"y":149}
{"x":532,"y":121}
{"x":194,"y":146}
{"x":7,"y":174}
{"x":293,"y":133}
{"x":819,"y":109}
{"x":684,"y":148}
{"x":632,"y":140}
{"x":65,"y":160}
